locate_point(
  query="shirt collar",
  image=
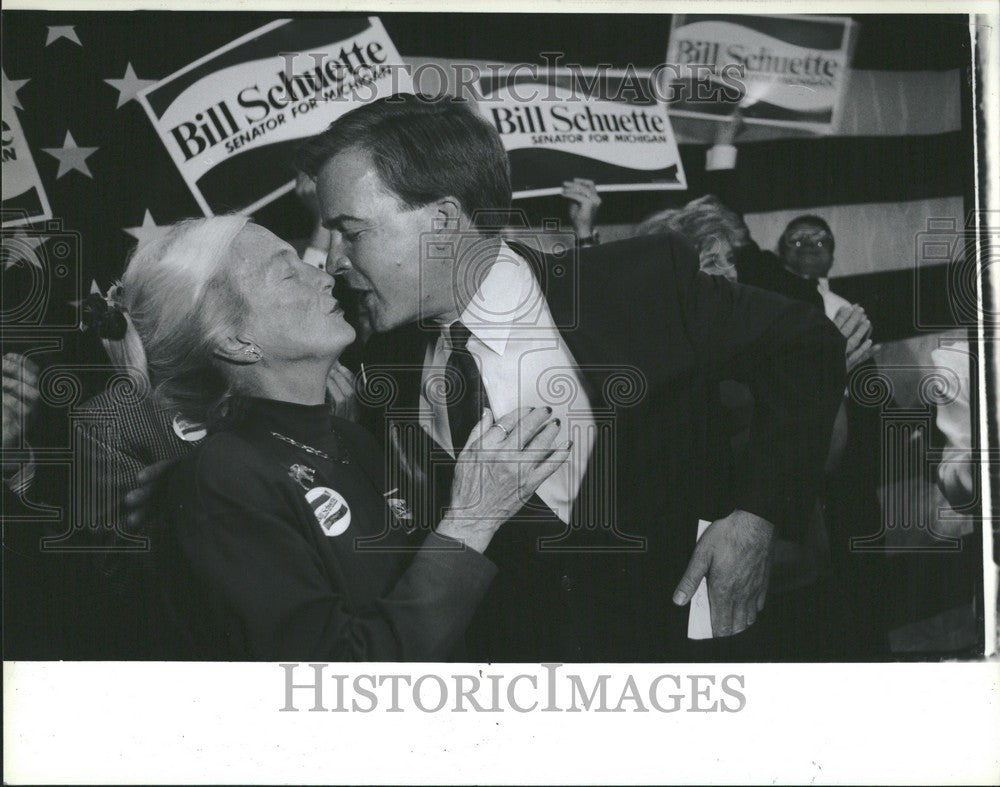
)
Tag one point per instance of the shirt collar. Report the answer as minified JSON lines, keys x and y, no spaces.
{"x":301,"y":421}
{"x":500,"y":302}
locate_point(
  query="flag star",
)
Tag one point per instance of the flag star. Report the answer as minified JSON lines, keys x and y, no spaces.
{"x":129,"y":86}
{"x":10,"y":88}
{"x":71,"y":157}
{"x":62,"y":31}
{"x":21,"y":247}
{"x":148,"y":231}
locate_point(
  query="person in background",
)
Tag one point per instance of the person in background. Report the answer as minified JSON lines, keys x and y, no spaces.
{"x":584,"y":202}
{"x":851,"y":507}
{"x":726,"y":248}
{"x":720,"y":236}
{"x":716,"y":232}
{"x":800,"y":271}
{"x":806,"y":249}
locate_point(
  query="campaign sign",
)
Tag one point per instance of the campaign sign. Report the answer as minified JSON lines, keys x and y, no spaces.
{"x":232,"y":120}
{"x":777,"y":70}
{"x":24,"y":199}
{"x":605,"y":125}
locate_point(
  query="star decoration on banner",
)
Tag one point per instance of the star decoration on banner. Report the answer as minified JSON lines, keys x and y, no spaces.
{"x":62,"y":31}
{"x":148,"y":231}
{"x":11,"y":86}
{"x":71,"y":156}
{"x":20,"y":247}
{"x":129,"y":86}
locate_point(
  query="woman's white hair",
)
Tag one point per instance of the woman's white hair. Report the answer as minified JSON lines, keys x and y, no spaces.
{"x":179,"y":302}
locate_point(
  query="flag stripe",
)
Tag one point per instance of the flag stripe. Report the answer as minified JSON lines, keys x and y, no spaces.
{"x":895,"y":42}
{"x":785,"y":175}
{"x":790,"y":173}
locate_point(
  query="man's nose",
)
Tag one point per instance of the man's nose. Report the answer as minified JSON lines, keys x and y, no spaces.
{"x":337,"y":262}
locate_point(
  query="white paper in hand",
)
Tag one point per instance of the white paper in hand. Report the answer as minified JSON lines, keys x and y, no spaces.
{"x":700,"y":613}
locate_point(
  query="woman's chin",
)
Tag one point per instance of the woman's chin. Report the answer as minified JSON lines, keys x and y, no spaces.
{"x":345,"y":332}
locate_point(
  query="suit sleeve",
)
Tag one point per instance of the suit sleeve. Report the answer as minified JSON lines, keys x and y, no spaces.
{"x":792,"y":358}
{"x":243,"y":540}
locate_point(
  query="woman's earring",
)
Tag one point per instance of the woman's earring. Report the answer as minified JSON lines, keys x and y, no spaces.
{"x":253,"y":353}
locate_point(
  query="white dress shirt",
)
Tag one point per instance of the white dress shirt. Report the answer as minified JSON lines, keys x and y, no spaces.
{"x":831,"y":301}
{"x":524,"y":362}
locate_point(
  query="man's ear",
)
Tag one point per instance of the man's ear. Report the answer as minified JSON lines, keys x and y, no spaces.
{"x":233,"y":349}
{"x":447,"y":214}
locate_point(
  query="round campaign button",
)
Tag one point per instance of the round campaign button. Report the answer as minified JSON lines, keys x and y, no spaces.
{"x":188,"y":431}
{"x":330,"y":508}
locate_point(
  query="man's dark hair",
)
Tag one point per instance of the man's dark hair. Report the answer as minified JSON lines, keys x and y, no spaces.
{"x":808,"y":220}
{"x":423,"y":148}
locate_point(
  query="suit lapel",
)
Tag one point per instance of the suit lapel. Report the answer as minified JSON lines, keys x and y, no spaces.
{"x":562,"y":289}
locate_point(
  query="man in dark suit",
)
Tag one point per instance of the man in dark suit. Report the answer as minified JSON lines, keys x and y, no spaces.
{"x":623,"y":343}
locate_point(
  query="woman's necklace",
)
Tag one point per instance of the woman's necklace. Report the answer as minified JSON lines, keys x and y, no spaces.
{"x":344,"y":460}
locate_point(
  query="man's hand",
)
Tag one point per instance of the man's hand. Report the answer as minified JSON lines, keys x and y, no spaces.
{"x":137,"y":501}
{"x":501,"y":466}
{"x":853,"y":324}
{"x":20,"y":395}
{"x":341,"y":393}
{"x":735,"y":554}
{"x":583,"y":205}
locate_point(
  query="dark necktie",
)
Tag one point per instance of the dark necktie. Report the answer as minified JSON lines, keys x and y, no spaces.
{"x":466,"y":397}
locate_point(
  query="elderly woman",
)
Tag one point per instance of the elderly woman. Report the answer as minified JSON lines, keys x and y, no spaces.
{"x":279,"y":540}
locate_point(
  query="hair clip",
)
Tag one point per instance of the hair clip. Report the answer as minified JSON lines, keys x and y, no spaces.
{"x":104,"y":313}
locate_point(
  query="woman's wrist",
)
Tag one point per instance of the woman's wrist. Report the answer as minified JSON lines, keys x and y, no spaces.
{"x":474,"y":533}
